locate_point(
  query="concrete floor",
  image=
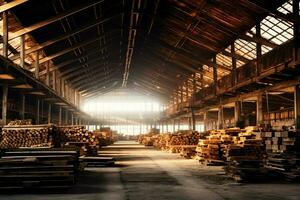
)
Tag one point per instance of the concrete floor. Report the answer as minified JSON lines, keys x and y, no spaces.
{"x":144,"y":173}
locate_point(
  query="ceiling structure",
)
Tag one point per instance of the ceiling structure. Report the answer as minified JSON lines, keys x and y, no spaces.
{"x":151,"y":46}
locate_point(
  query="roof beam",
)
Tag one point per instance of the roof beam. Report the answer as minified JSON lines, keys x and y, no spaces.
{"x":10,"y":5}
{"x":66,"y":35}
{"x":68,"y":62}
{"x":260,"y":40}
{"x":94,"y":85}
{"x":87,"y":83}
{"x":195,"y":58}
{"x":277,"y":14}
{"x":236,"y":56}
{"x":78,"y":80}
{"x":100,"y":92}
{"x":46,"y":22}
{"x":72,"y":48}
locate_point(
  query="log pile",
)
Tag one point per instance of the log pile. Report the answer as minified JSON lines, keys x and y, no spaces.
{"x":35,"y":167}
{"x":283,"y":153}
{"x":78,"y":134}
{"x":184,"y":142}
{"x":161,"y":141}
{"x":20,"y":122}
{"x":148,"y":139}
{"x":105,"y":137}
{"x":16,"y":136}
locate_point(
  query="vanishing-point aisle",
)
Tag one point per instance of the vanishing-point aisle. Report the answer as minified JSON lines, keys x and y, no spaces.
{"x":143,"y":173}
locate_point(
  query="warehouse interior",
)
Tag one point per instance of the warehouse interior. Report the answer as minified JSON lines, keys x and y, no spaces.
{"x":149,"y":99}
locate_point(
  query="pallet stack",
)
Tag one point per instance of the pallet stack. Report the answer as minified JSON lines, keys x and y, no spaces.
{"x":20,"y":122}
{"x":38,"y":168}
{"x":283,"y":154}
{"x":15,"y":136}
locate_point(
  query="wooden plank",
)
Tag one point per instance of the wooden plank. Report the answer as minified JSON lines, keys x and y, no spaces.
{"x":10,"y":5}
{"x":38,"y":25}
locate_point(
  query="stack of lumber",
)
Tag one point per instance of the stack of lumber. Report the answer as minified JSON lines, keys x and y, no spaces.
{"x":281,"y":140}
{"x":210,"y":150}
{"x":245,"y":157}
{"x":283,"y":153}
{"x":161,"y":141}
{"x":38,"y":167}
{"x":15,"y":136}
{"x":284,"y":164}
{"x":20,"y":122}
{"x":78,"y":134}
{"x":147,"y":139}
{"x":184,"y":142}
{"x":105,"y":137}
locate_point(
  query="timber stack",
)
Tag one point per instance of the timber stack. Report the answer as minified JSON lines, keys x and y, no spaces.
{"x":38,"y":168}
{"x":245,"y":157}
{"x":78,"y":134}
{"x":15,"y":136}
{"x":210,"y":149}
{"x":283,"y":151}
{"x":184,"y":142}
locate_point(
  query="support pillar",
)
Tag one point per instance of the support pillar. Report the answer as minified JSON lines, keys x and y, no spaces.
{"x":215,"y":75}
{"x":72,"y":119}
{"x":47,"y":73}
{"x":4,"y":103}
{"x":37,"y":64}
{"x":37,"y":112}
{"x":234,"y":72}
{"x":258,"y":50}
{"x":220,"y":117}
{"x":59,"y":116}
{"x":54,"y":80}
{"x":297,"y":107}
{"x":296,"y":29}
{"x":42,"y":111}
{"x":49,"y":113}
{"x":22,"y":114}
{"x":193,"y":120}
{"x":22,"y":51}
{"x":259,"y":109}
{"x":173,"y":125}
{"x":205,"y":121}
{"x":66,"y":118}
{"x":237,"y":112}
{"x":5,"y":34}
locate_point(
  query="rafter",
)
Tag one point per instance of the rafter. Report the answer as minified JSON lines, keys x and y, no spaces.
{"x":67,"y":35}
{"x":10,"y":5}
{"x":46,"y":22}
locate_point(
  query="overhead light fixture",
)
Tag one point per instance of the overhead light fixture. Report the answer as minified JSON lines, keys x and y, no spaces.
{"x":6,"y":77}
{"x":157,"y":87}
